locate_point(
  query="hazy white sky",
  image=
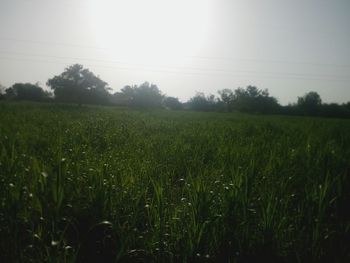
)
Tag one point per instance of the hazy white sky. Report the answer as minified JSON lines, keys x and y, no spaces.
{"x":183,"y":46}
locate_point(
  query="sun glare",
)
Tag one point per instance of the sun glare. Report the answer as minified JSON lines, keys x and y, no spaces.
{"x":139,"y":30}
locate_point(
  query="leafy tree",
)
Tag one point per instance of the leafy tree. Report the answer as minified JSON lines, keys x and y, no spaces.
{"x":324,"y":110}
{"x":250,"y":99}
{"x":347,"y":105}
{"x":148,"y":95}
{"x":202,"y":103}
{"x":120,"y":99}
{"x":2,"y":92}
{"x":227,"y":97}
{"x":26,"y":91}
{"x":310,"y":102}
{"x":144,"y":96}
{"x":334,"y":110}
{"x":2,"y":89}
{"x":172,"y":103}
{"x":79,"y":85}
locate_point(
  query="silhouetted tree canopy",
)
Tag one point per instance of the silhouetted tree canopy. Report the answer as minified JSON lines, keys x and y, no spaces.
{"x":227,"y":97}
{"x":200,"y":102}
{"x":2,"y":92}
{"x":310,"y":102}
{"x":250,"y":99}
{"x":347,"y":105}
{"x":26,"y":91}
{"x":2,"y":89}
{"x":333,"y":110}
{"x":172,"y":103}
{"x":144,"y":96}
{"x":79,"y":85}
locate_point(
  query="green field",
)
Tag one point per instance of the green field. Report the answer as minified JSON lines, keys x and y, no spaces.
{"x":102,"y":184}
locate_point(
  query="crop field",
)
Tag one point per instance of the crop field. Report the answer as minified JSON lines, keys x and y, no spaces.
{"x":105,"y":184}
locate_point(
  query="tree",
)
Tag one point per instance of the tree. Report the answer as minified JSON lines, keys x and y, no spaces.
{"x":2,"y":89}
{"x":2,"y":92}
{"x":202,"y":103}
{"x":144,"y":96}
{"x":310,"y":102}
{"x":172,"y":103}
{"x":26,"y":91}
{"x":347,"y":105}
{"x":334,"y":110}
{"x":227,"y":97}
{"x":250,"y":99}
{"x":79,"y":85}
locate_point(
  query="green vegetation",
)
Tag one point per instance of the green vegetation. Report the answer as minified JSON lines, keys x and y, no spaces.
{"x":102,"y":184}
{"x":79,"y":85}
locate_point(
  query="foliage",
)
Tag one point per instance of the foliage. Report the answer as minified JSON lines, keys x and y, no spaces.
{"x":202,"y":103}
{"x":97,"y":184}
{"x":26,"y":91}
{"x":145,"y":95}
{"x":227,"y":96}
{"x":2,"y":92}
{"x":172,"y":103}
{"x":79,"y":85}
{"x":347,"y":106}
{"x":250,"y":99}
{"x":311,"y":105}
{"x":310,"y":102}
{"x":333,"y":110}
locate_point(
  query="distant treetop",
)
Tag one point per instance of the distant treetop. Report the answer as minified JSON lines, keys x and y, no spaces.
{"x":144,"y":96}
{"x":79,"y":85}
{"x":26,"y":91}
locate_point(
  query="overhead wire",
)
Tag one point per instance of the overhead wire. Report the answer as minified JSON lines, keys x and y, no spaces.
{"x":248,"y":73}
{"x":231,"y":59}
{"x":175,"y":67}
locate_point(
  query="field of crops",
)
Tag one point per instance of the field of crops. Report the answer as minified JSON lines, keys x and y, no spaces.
{"x":101,"y":184}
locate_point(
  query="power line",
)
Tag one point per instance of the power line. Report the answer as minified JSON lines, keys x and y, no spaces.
{"x":42,"y":42}
{"x":230,"y":59}
{"x":272,"y":61}
{"x":172,"y":72}
{"x":178,"y":68}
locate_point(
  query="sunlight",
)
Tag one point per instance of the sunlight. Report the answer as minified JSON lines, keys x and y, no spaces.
{"x":155,"y":30}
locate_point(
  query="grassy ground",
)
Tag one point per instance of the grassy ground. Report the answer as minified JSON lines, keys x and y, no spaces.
{"x":93,"y":184}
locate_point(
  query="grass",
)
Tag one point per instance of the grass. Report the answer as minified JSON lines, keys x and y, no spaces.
{"x":99,"y":184}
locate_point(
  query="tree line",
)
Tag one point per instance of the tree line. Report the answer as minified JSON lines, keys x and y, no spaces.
{"x":79,"y":85}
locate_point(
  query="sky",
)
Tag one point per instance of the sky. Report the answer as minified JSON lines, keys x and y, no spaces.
{"x":183,"y":46}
